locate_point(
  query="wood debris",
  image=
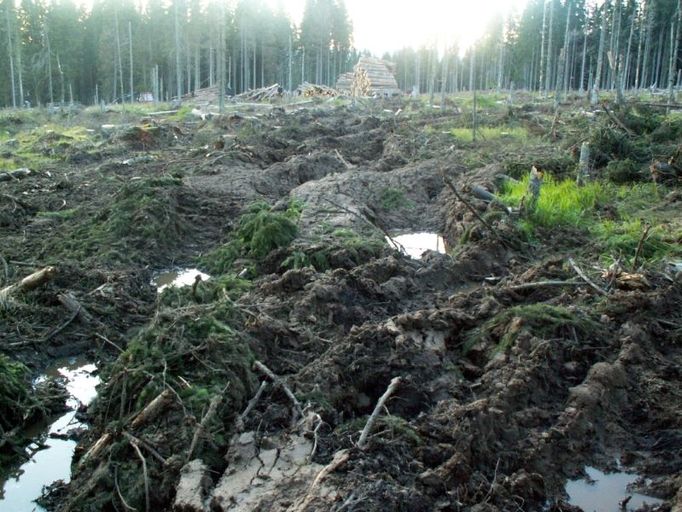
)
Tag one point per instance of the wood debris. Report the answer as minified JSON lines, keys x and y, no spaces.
{"x":263,"y":94}
{"x":309,"y":90}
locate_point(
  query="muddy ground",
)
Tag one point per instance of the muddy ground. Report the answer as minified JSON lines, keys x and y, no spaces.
{"x":506,"y":391}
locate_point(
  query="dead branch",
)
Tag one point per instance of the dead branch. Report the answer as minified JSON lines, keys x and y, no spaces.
{"x":584,"y":277}
{"x":120,"y":496}
{"x":279,"y":382}
{"x":613,"y":118}
{"x":96,"y":449}
{"x":153,"y":451}
{"x":28,"y":283}
{"x":362,"y":443}
{"x":452,"y":187}
{"x":152,"y":409}
{"x":542,"y":284}
{"x":239,"y":423}
{"x":69,"y":302}
{"x":133,"y":443}
{"x":15,"y":174}
{"x":210,"y":413}
{"x":640,"y":245}
{"x":59,"y":329}
{"x":343,"y":160}
{"x":339,"y":459}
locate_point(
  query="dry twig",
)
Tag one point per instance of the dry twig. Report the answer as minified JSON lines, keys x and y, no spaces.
{"x":279,"y":382}
{"x":362,"y":443}
{"x":584,"y":277}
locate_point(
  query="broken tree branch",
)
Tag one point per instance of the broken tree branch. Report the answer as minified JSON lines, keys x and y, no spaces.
{"x":69,"y":302}
{"x":640,"y":246}
{"x":454,"y":190}
{"x":210,"y":413}
{"x":362,"y":443}
{"x":29,"y":282}
{"x":133,"y":443}
{"x":279,"y":382}
{"x":239,"y":423}
{"x":542,"y":284}
{"x":584,"y":277}
{"x":15,"y":175}
{"x":152,"y":409}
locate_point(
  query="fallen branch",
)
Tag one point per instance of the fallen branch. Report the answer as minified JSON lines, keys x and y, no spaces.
{"x":29,"y":282}
{"x":153,"y":451}
{"x":362,"y":443}
{"x":133,"y":443}
{"x":59,"y":329}
{"x":584,"y":277}
{"x":452,"y":187}
{"x":210,"y":413}
{"x":542,"y":284}
{"x":279,"y":382}
{"x":152,"y":409}
{"x":96,"y":449}
{"x":339,"y":459}
{"x":613,"y":118}
{"x":640,"y":246}
{"x":343,"y":160}
{"x":69,"y":302}
{"x":239,"y":423}
{"x":14,"y":175}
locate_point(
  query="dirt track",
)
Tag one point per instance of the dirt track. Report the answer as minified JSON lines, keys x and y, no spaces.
{"x":505,"y":392}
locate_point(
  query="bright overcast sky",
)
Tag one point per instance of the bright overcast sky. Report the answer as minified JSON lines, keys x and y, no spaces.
{"x":388,"y":25}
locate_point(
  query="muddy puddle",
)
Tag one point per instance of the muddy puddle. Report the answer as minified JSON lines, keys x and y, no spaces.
{"x":177,"y":277}
{"x":603,"y":492}
{"x":53,"y":447}
{"x":416,"y":244}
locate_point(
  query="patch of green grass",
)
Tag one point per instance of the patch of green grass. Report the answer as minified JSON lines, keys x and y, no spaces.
{"x":516,"y":134}
{"x":59,"y":214}
{"x":561,"y":203}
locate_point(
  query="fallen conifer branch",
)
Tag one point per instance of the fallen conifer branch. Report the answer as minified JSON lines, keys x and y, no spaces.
{"x":362,"y":443}
{"x":133,"y":443}
{"x":152,"y":409}
{"x":14,"y":175}
{"x":210,"y":413}
{"x":69,"y":302}
{"x":279,"y":382}
{"x":153,"y":451}
{"x":239,"y":423}
{"x":584,"y":277}
{"x":59,"y":329}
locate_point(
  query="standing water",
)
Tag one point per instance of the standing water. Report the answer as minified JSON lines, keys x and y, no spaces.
{"x":177,"y":278}
{"x":604,"y":492}
{"x":53,"y":462}
{"x":416,"y":244}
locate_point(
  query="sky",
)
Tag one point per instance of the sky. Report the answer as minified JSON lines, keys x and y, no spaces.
{"x":388,"y":25}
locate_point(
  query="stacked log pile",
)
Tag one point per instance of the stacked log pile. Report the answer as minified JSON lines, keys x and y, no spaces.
{"x":371,"y":77}
{"x":309,"y":90}
{"x":263,"y":94}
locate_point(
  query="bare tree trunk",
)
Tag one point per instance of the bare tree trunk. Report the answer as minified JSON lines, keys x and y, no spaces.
{"x":120,"y":60}
{"x":647,"y":43}
{"x":130,"y":48}
{"x":563,"y":57}
{"x":444,"y":79}
{"x":472,"y":86}
{"x":674,"y":44}
{"x":542,"y":47}
{"x":600,"y":57}
{"x":582,"y":68}
{"x":178,"y":61}
{"x":628,"y":53}
{"x":49,"y":64}
{"x":11,"y":55}
{"x":548,"y":77}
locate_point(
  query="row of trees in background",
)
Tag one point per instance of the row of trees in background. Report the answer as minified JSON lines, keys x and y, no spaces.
{"x":559,"y":46}
{"x":55,"y":51}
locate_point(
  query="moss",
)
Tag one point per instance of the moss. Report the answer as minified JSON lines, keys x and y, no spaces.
{"x":393,"y":198}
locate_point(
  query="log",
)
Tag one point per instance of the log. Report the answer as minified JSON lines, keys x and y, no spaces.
{"x":28,"y":283}
{"x":153,"y":409}
{"x":15,"y":174}
{"x":212,"y":410}
{"x":96,"y":449}
{"x":69,"y":302}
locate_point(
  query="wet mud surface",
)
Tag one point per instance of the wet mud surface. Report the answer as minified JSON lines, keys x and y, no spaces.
{"x":506,"y":393}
